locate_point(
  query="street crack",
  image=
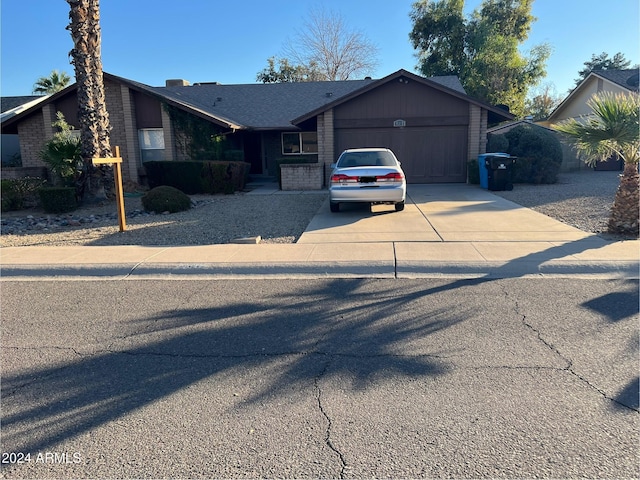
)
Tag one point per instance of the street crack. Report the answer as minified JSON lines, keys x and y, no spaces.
{"x":327,"y":438}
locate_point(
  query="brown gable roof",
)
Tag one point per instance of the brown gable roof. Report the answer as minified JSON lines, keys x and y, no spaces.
{"x":448,"y":84}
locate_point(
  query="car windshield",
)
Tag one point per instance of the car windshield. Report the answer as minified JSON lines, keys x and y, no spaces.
{"x":366,"y":159}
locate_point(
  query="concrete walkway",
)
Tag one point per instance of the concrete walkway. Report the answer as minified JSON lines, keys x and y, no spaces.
{"x":445,"y":231}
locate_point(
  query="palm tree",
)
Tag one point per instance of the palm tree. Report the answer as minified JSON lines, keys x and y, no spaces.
{"x":55,"y":82}
{"x":612,"y":130}
{"x":93,"y":117}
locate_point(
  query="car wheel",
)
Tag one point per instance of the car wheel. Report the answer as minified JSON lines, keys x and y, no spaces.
{"x":399,"y":206}
{"x":334,"y":206}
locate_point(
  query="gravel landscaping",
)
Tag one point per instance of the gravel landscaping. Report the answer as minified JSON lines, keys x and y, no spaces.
{"x":582,"y":199}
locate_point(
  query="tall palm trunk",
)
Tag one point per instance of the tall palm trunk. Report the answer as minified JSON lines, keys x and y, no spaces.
{"x":625,"y":210}
{"x":92,"y":111}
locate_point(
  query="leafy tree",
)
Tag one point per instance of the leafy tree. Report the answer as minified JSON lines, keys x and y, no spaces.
{"x":603,"y":62}
{"x":55,"y":82}
{"x":92,"y":111}
{"x":482,"y":50}
{"x":542,"y":103}
{"x":613,"y":129}
{"x":439,"y":32}
{"x":287,"y":72}
{"x":324,"y":49}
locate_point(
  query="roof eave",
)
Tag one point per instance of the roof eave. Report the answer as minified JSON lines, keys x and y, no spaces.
{"x":223,"y":122}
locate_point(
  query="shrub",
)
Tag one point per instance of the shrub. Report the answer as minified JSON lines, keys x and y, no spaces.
{"x":473,"y":174}
{"x":185,"y":176}
{"x":216,"y":178}
{"x":497,"y":143}
{"x":20,"y":192}
{"x":198,"y":177}
{"x":234,"y":155}
{"x":58,"y":199}
{"x":165,"y":199}
{"x":539,"y":154}
{"x":62,"y":152}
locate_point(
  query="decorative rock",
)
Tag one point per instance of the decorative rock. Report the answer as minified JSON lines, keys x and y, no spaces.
{"x":29,"y":223}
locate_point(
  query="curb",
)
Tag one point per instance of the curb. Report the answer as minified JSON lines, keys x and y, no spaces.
{"x":314,"y":270}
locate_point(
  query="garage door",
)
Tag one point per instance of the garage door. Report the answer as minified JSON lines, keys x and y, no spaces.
{"x":427,"y":154}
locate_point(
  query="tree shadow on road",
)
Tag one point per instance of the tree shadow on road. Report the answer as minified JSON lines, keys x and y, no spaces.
{"x":292,"y":336}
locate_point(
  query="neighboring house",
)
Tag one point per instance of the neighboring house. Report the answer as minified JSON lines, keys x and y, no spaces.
{"x":569,"y":161}
{"x":9,"y":143}
{"x":575,"y":105}
{"x":431,"y":124}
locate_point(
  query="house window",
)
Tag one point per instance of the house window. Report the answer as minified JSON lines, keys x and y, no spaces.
{"x":151,"y":144}
{"x":297,"y":143}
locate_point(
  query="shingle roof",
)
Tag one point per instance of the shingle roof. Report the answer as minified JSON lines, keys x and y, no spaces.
{"x":14,"y":106}
{"x":270,"y":106}
{"x":625,"y":78}
{"x":260,"y":106}
{"x":8,"y":103}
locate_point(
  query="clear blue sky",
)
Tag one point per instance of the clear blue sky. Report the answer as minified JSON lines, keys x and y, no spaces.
{"x":205,"y":40}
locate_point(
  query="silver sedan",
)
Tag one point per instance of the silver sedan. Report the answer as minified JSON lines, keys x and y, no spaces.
{"x":367,"y":175}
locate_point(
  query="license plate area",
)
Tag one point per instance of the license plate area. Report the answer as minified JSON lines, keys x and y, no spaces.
{"x":367,"y":180}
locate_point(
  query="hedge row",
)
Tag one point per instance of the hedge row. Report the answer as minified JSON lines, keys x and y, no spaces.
{"x":198,"y":177}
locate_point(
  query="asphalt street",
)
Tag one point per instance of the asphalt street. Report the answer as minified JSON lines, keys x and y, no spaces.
{"x":328,"y":378}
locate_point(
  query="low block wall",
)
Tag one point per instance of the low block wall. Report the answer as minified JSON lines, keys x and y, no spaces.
{"x":302,"y":176}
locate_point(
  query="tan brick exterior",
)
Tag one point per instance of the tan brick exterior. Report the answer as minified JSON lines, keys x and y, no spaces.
{"x":301,"y":176}
{"x":32,"y":139}
{"x":326,"y":142}
{"x":477,"y":131}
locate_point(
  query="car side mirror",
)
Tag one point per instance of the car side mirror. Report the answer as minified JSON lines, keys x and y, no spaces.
{"x":333,"y":165}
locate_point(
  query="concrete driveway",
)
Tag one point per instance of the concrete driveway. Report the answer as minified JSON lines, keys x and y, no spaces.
{"x":438,"y":213}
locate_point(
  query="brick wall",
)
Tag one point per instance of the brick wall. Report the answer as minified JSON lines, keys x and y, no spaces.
{"x":477,"y":140}
{"x":32,"y":140}
{"x":302,"y":176}
{"x":326,"y":142}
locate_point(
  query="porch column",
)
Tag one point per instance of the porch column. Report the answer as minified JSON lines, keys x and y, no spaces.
{"x":49,"y":116}
{"x":130,"y":152}
{"x":167,"y":133}
{"x":477,"y":131}
{"x":326,"y":141}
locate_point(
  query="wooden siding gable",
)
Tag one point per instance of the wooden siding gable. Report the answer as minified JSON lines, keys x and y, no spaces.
{"x":413,"y":103}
